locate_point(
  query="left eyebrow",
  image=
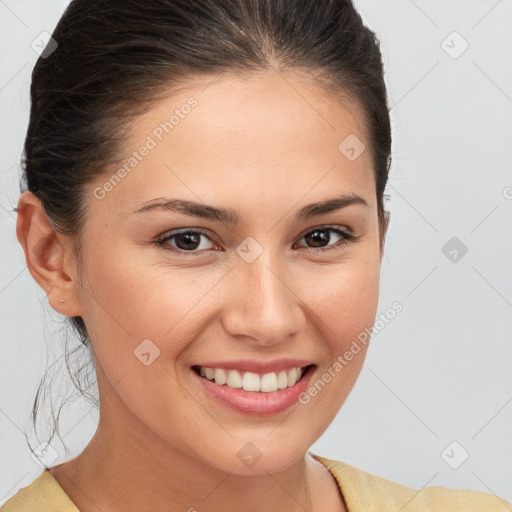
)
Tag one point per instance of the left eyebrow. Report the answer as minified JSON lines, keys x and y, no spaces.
{"x":329,"y":205}
{"x":229,"y":216}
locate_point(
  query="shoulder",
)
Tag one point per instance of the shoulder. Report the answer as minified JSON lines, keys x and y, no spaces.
{"x":367,"y":492}
{"x":44,"y":494}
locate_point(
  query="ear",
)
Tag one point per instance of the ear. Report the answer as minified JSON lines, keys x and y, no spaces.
{"x":387,"y":215}
{"x":48,"y":254}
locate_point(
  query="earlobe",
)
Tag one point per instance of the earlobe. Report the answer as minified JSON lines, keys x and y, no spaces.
{"x":45,"y":253}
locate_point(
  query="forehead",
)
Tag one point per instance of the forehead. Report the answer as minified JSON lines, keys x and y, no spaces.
{"x":275,"y":134}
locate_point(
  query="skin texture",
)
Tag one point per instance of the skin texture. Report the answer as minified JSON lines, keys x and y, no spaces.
{"x":263,"y":146}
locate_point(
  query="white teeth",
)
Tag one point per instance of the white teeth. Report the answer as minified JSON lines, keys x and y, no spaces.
{"x":282,"y":380}
{"x":220,"y":376}
{"x":250,"y":381}
{"x":292,"y":377}
{"x":269,"y":382}
{"x":234,"y":379}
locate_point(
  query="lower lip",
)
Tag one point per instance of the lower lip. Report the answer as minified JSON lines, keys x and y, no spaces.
{"x":256,"y":402}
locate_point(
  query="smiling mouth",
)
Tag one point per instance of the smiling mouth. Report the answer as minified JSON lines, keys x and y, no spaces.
{"x":251,"y":381}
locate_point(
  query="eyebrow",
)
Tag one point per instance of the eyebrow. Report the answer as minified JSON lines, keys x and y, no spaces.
{"x":229,"y":216}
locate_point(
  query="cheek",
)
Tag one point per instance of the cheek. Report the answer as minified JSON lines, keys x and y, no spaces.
{"x":346,"y":301}
{"x":127,"y":302}
{"x":345,"y":306}
{"x":139,"y":326}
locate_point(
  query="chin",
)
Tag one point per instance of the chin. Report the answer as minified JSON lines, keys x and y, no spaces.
{"x":259,"y":456}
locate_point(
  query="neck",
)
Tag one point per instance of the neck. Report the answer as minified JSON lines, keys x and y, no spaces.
{"x":128,"y":467}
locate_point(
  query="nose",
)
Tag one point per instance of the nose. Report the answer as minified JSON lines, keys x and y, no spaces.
{"x":262,"y":307}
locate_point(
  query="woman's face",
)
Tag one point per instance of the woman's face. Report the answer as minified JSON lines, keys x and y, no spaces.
{"x":258,"y":290}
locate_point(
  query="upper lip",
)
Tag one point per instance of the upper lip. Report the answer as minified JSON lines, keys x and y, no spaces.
{"x":262,"y":367}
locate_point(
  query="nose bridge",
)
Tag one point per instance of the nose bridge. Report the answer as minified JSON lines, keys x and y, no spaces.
{"x":266,"y":308}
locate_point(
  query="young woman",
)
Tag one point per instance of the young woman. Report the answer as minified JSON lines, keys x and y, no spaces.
{"x":204,"y":201}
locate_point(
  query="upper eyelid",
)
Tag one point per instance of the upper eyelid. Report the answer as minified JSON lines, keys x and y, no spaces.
{"x":341,"y":227}
{"x":207,"y":232}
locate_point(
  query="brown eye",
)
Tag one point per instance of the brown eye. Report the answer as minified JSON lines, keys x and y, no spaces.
{"x":185,"y":241}
{"x":190,"y":240}
{"x":320,"y":236}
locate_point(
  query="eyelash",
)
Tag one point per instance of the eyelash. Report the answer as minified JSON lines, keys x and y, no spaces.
{"x":346,"y":238}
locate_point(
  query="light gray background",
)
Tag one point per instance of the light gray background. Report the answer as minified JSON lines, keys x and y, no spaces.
{"x":441,"y":370}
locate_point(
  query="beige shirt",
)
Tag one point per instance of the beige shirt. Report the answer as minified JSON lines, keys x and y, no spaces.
{"x":362,"y":491}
